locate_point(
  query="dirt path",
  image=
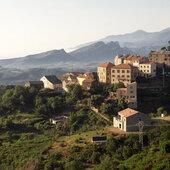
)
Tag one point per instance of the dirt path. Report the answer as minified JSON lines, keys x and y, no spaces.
{"x":116,"y":131}
{"x":101,"y":115}
{"x":167,"y":118}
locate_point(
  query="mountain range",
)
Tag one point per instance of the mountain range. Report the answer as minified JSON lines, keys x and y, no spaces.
{"x":86,"y":56}
{"x":94,"y":53}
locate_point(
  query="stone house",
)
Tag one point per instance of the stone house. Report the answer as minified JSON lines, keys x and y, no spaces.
{"x":35,"y":84}
{"x":104,"y":72}
{"x":65,"y":83}
{"x":125,"y":73}
{"x":119,"y":59}
{"x":128,"y":119}
{"x":160,"y":57}
{"x":52,"y":82}
{"x":139,"y":59}
{"x":147,"y":69}
{"x":88,"y":83}
{"x":129,"y":93}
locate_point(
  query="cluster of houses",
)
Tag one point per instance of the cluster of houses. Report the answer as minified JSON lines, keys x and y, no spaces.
{"x":126,"y":69}
{"x":86,"y":80}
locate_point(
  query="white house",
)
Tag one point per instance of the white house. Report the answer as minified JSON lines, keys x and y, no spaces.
{"x":52,"y":82}
{"x":128,"y":119}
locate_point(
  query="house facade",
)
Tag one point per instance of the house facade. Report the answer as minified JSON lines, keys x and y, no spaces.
{"x":119,"y":59}
{"x":52,"y":82}
{"x":147,"y":69}
{"x":125,"y":73}
{"x":128,"y":119}
{"x":129,"y":93}
{"x":104,"y":72}
{"x":160,"y":57}
{"x":138,"y":60}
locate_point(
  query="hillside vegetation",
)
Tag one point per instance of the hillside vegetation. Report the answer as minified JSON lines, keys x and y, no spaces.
{"x":29,"y":141}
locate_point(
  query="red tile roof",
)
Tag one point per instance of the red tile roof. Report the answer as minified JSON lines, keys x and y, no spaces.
{"x":122,"y":89}
{"x":122,"y":55}
{"x":139,"y":58}
{"x":83,"y":77}
{"x":75,"y":73}
{"x":107,"y":65}
{"x":129,"y":57}
{"x":88,"y":80}
{"x":131,"y":83}
{"x":124,"y":66}
{"x":147,"y":62}
{"x":128,"y":112}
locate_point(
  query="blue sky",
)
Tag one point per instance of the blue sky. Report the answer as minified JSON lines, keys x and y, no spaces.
{"x":33,"y":26}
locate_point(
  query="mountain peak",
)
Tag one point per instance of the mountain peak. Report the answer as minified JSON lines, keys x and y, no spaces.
{"x":139,"y":31}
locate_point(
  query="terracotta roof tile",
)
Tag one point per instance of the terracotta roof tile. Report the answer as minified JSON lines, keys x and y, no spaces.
{"x":88,"y":80}
{"x":122,"y":56}
{"x":122,"y":89}
{"x":83,"y":77}
{"x":128,"y":112}
{"x":139,"y":58}
{"x":131,"y":83}
{"x":129,"y":57}
{"x":107,"y":65}
{"x":147,"y":62}
{"x":124,"y":66}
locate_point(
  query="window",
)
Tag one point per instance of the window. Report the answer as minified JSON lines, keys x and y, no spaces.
{"x":128,"y":76}
{"x":118,"y":71}
{"x":144,"y":66}
{"x":147,"y":70}
{"x":123,"y":75}
{"x":141,"y":66}
{"x":131,"y":91}
{"x":123,"y":71}
{"x":113,"y":75}
{"x":147,"y":66}
{"x":128,"y":71}
{"x":118,"y":76}
{"x":113,"y":71}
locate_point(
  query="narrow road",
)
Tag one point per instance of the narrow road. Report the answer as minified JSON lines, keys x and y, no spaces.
{"x":101,"y":115}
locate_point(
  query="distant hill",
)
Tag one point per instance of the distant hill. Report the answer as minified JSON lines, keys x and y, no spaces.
{"x":140,"y":42}
{"x":49,"y":59}
{"x":99,"y":52}
{"x":89,"y":56}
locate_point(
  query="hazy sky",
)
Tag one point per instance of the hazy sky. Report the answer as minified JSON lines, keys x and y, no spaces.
{"x":33,"y":26}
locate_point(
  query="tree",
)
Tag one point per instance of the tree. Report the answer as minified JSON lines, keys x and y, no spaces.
{"x":161,"y":110}
{"x":77,"y":92}
{"x":74,"y":165}
{"x":96,"y":100}
{"x":163,"y":48}
{"x":9,"y":101}
{"x":107,"y":109}
{"x":118,"y":85}
{"x":122,"y":104}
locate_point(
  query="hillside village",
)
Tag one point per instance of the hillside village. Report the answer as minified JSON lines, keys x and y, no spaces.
{"x":72,"y":120}
{"x":125,"y":71}
{"x":89,"y":120}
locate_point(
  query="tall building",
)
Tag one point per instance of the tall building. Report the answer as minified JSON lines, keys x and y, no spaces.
{"x":129,"y":93}
{"x":160,"y":57}
{"x":125,"y":73}
{"x":104,"y":72}
{"x":147,"y":69}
